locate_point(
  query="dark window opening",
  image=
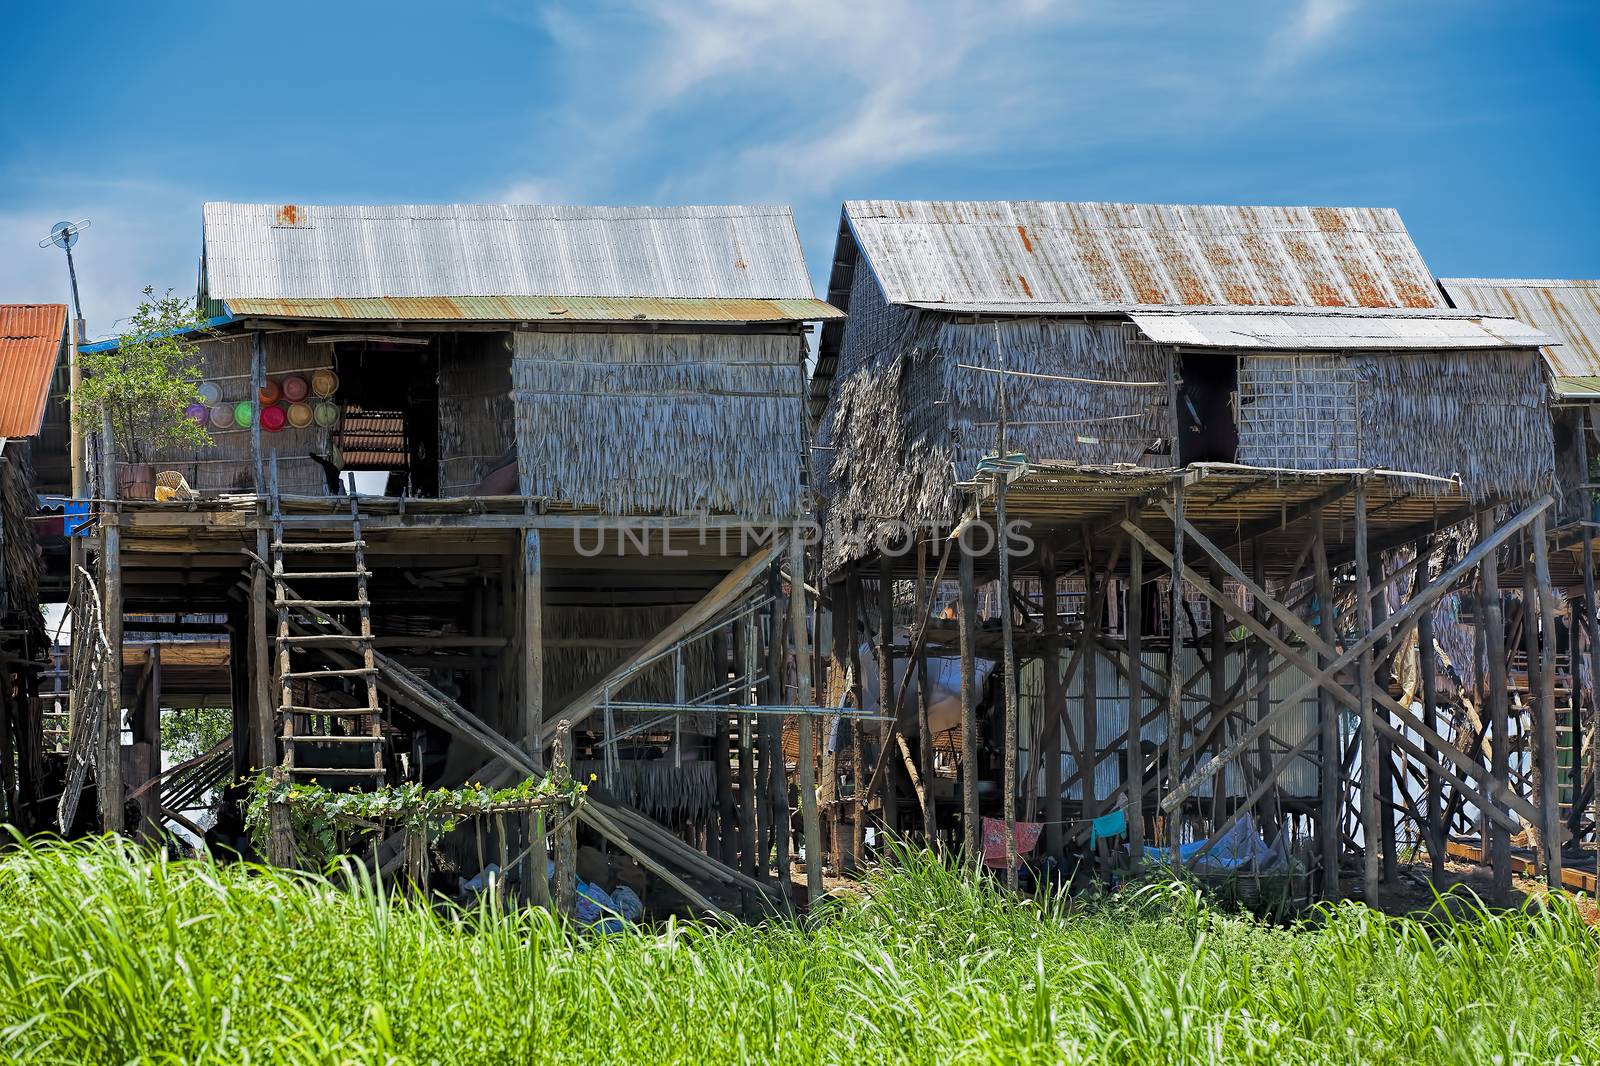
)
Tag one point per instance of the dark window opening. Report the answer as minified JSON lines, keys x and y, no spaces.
{"x":390,"y":418}
{"x":1208,"y":426}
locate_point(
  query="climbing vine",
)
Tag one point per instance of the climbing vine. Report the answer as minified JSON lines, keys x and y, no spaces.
{"x":318,"y":816}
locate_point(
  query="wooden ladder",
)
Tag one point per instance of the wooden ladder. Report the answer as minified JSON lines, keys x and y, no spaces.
{"x":317,"y":738}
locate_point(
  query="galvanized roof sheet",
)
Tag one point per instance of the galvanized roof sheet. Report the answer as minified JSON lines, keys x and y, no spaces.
{"x":537,"y":309}
{"x":313,"y":252}
{"x":31,"y":339}
{"x":997,"y":255}
{"x":1569,"y":311}
{"x":1274,"y":330}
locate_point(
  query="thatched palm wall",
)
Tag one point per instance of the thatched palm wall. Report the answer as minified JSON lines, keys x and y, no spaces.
{"x":661,"y":423}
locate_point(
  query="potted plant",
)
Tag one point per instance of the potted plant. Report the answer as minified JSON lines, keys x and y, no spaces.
{"x":143,"y":384}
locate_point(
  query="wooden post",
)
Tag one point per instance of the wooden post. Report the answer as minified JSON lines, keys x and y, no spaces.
{"x":1217,"y":695}
{"x":1175,"y":663}
{"x":722,"y":758}
{"x":1090,"y":742}
{"x":971,"y":837}
{"x":1054,"y":704}
{"x":1371,"y":845}
{"x":1009,"y":677}
{"x":566,"y":879}
{"x":1428,"y":674}
{"x":924,"y":729}
{"x":1530,"y":647}
{"x":533,"y":693}
{"x":1134,"y":613}
{"x":1271,"y":809}
{"x":1389,"y":854}
{"x":858,"y":748}
{"x":1330,"y":787}
{"x":150,"y":745}
{"x":744,"y":653}
{"x":108,"y":771}
{"x":808,"y":768}
{"x":1495,"y":706}
{"x":774,"y":835}
{"x":1547,"y":704}
{"x":886,"y":688}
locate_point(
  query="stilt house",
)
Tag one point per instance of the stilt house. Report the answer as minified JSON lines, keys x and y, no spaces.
{"x":1280,"y":402}
{"x":572,"y":433}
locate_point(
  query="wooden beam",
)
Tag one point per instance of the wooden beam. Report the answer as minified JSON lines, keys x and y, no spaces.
{"x":1134,"y":613}
{"x":1498,"y":835}
{"x":1371,"y":845}
{"x":1054,"y":707}
{"x":1547,"y":703}
{"x":972,"y":842}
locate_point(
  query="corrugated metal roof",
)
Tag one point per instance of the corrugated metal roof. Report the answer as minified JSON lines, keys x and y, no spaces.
{"x":1569,"y":311}
{"x":1268,"y":329}
{"x":1000,"y":254}
{"x":31,"y":339}
{"x":538,"y":309}
{"x":307,"y":252}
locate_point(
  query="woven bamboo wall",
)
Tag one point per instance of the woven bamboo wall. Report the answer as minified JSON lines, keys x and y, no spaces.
{"x":476,"y":424}
{"x":635,"y":423}
{"x":19,"y":557}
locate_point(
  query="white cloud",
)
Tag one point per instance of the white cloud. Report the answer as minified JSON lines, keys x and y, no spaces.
{"x":1313,"y":23}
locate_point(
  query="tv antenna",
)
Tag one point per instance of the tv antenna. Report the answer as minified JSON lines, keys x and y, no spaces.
{"x":64,"y":235}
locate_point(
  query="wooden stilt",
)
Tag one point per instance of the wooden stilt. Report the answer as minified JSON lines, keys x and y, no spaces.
{"x":1547,"y":704}
{"x":1371,"y":845}
{"x":1330,"y":784}
{"x":1217,"y":693}
{"x":1175,"y":665}
{"x":1134,"y":614}
{"x":1495,"y":653}
{"x":924,"y":730}
{"x":532,"y":724}
{"x":972,"y":842}
{"x":856,"y":807}
{"x":1271,"y":812}
{"x":1008,"y":678}
{"x":1428,"y":676}
{"x":808,"y":770}
{"x":1091,"y":704}
{"x":1387,"y":783}
{"x":886,"y":693}
{"x":1054,"y":704}
{"x":773,"y":837}
{"x":566,"y":879}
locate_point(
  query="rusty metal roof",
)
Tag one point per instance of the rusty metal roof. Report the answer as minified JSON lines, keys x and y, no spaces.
{"x":1569,"y":311}
{"x":746,"y":258}
{"x":537,"y":309}
{"x":32,"y":337}
{"x":1088,"y":257}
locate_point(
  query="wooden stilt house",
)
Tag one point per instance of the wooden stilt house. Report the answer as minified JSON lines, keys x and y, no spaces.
{"x":1277,"y":404}
{"x":574,"y":437}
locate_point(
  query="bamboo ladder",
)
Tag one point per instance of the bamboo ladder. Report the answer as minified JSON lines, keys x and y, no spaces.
{"x":310,"y":734}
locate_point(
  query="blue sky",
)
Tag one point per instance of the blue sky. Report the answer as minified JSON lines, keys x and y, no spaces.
{"x":1477,"y":119}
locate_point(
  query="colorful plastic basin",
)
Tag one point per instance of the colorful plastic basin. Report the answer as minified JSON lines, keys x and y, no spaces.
{"x":242,"y":412}
{"x":327,"y":414}
{"x":274,"y":418}
{"x":324,"y":383}
{"x":294,"y":388}
{"x":222,"y":415}
{"x":299,"y":414}
{"x":199,"y":412}
{"x":269,"y":392}
{"x":210,"y":392}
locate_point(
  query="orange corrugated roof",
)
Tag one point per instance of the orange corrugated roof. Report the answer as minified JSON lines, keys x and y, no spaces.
{"x":31,"y":336}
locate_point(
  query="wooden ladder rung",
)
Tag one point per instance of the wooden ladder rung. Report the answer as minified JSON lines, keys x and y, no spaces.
{"x":317,"y":575}
{"x":336,"y":771}
{"x":312,"y":675}
{"x":318,"y":546}
{"x":322,"y":603}
{"x":331,"y":712}
{"x":325,"y":638}
{"x":312,"y":738}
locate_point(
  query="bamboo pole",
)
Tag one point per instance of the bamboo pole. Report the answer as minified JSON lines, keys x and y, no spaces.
{"x":808,"y":769}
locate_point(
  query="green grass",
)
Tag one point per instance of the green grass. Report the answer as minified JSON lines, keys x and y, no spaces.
{"x":108,"y":956}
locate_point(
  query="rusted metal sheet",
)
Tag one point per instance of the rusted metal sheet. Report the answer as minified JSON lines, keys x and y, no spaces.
{"x":461,"y":253}
{"x":32,"y":338}
{"x":537,"y":309}
{"x":1105,"y":256}
{"x":1569,"y":311}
